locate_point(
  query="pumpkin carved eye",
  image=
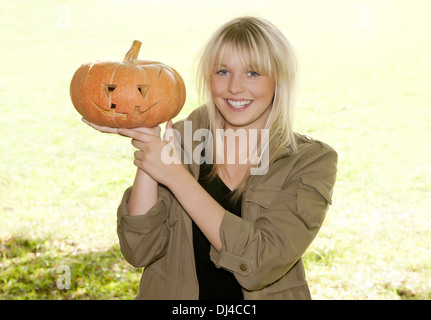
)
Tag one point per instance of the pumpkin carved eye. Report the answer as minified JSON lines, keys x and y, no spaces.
{"x":109,"y":88}
{"x":143,"y":89}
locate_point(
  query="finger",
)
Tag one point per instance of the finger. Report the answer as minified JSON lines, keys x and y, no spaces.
{"x":139,"y":155}
{"x":100,"y":128}
{"x":155,"y":131}
{"x":138,"y":163}
{"x":137,"y":135}
{"x":138,"y":144}
{"x":169,"y":133}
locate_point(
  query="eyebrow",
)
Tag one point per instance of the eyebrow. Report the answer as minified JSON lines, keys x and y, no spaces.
{"x":225,"y":66}
{"x":249,"y":68}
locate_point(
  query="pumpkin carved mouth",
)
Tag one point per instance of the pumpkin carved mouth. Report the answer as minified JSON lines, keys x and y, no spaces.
{"x":111,"y":112}
{"x":139,"y":112}
{"x":109,"y":88}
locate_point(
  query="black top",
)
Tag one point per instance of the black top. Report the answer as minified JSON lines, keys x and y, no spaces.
{"x":214,"y":283}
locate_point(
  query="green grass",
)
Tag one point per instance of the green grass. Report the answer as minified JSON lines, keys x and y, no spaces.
{"x":364,"y":90}
{"x":32,"y":269}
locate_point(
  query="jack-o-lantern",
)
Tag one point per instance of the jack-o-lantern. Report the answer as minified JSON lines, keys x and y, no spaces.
{"x":134,"y":93}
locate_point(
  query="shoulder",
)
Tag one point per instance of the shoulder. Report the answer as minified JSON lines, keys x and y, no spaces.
{"x":309,"y":147}
{"x":312,"y":158}
{"x":312,"y":167}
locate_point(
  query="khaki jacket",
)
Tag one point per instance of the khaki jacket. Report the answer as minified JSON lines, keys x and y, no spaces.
{"x":282,"y":211}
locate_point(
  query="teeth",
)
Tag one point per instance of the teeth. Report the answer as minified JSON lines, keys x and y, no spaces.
{"x":239,"y":104}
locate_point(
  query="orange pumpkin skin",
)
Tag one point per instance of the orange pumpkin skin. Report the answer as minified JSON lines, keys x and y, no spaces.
{"x":129,"y":94}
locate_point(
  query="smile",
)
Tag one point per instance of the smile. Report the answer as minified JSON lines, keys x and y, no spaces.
{"x":239,"y":104}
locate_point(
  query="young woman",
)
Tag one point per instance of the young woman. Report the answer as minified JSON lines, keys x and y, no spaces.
{"x":236,"y":225}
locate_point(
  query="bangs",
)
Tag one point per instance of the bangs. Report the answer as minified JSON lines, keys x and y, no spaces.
{"x":250,"y":46}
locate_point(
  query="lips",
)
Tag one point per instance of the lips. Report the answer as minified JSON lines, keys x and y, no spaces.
{"x":238,"y":104}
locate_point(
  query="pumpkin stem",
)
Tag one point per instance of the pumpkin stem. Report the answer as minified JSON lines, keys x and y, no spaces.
{"x":132,"y":55}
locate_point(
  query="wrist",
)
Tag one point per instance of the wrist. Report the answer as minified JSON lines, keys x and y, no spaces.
{"x":178,"y":179}
{"x":143,"y":195}
{"x":144,"y":178}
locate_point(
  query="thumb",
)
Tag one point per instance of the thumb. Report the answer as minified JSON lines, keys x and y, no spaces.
{"x":169,"y":132}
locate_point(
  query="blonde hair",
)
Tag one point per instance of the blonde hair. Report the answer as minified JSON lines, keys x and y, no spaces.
{"x":261,"y":46}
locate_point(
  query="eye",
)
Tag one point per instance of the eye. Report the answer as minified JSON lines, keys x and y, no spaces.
{"x":222,"y":72}
{"x":253,"y":74}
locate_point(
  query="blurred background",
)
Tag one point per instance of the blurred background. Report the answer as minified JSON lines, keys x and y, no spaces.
{"x":365,"y":90}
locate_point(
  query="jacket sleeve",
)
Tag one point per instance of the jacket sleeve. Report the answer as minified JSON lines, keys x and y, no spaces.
{"x":285,"y":222}
{"x":143,"y":239}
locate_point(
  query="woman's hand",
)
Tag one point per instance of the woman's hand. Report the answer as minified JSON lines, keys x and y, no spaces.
{"x":156,"y":156}
{"x":153,"y":131}
{"x":101,"y":128}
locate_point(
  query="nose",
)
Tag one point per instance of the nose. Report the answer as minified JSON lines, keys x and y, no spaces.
{"x":236,"y":84}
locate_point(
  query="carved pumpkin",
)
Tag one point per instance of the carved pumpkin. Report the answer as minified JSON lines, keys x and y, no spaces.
{"x":134,"y":93}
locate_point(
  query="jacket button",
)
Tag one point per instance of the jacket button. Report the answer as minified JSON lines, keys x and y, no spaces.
{"x":243,"y":267}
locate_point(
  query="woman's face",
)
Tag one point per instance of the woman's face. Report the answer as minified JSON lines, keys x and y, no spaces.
{"x":242,"y":95}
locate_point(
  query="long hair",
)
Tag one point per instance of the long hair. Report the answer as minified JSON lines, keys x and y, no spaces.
{"x":262,"y":46}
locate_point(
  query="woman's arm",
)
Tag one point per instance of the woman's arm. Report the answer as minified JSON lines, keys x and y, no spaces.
{"x":143,"y":212}
{"x":144,"y":238}
{"x":201,"y":207}
{"x":260,"y":250}
{"x":144,"y":190}
{"x":143,"y":195}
